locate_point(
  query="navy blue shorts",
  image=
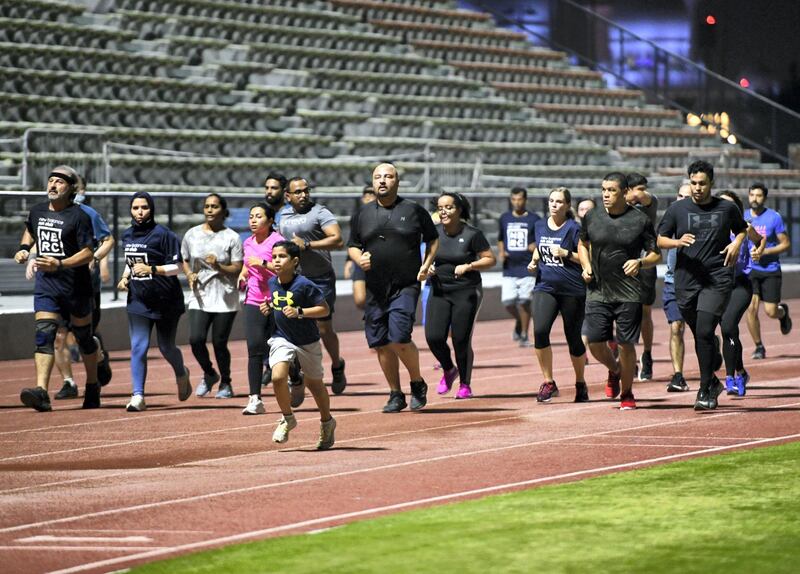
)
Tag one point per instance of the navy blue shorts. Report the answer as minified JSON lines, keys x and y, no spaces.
{"x":328,"y":286}
{"x":670,"y":304}
{"x":75,"y":306}
{"x":391,"y":322}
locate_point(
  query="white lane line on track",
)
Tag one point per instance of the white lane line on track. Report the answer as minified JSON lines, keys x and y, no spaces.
{"x":546,"y":411}
{"x":87,"y":548}
{"x":392,"y":466}
{"x":52,"y":538}
{"x":408,"y":504}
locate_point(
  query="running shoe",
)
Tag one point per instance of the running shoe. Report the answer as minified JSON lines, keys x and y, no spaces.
{"x":447,"y":380}
{"x":786,"y":320}
{"x":104,"y":373}
{"x":517,"y":334}
{"x":717,"y":354}
{"x":266,"y":377}
{"x":285,"y":424}
{"x":547,"y":391}
{"x":298,"y":393}
{"x":254,"y":406}
{"x":36,"y":398}
{"x":396,"y":402}
{"x":677,"y":384}
{"x":91,"y":396}
{"x":464,"y":392}
{"x":612,"y":385}
{"x":627,"y":402}
{"x":68,"y":391}
{"x":581,"y":392}
{"x":703,"y":401}
{"x":207,"y":381}
{"x":741,"y":381}
{"x":759,"y":353}
{"x":184,"y":386}
{"x":524,"y":342}
{"x":136,"y":404}
{"x":730,"y":385}
{"x":419,"y":394}
{"x":646,"y":366}
{"x":224,"y":391}
{"x":326,"y":438}
{"x":338,"y":381}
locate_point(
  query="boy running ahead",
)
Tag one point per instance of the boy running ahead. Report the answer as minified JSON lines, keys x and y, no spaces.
{"x":296,"y":302}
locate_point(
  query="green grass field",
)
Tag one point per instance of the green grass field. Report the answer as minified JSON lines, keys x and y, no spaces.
{"x":738,"y":512}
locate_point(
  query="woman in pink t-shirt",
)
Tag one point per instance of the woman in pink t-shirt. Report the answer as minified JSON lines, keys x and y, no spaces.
{"x":253,"y":280}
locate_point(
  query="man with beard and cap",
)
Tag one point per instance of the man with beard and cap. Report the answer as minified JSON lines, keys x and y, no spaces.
{"x":315,"y":231}
{"x":63,"y":236}
{"x":152,"y":262}
{"x":385,"y":241}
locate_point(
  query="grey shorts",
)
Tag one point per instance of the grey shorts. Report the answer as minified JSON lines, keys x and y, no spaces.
{"x":309,"y":356}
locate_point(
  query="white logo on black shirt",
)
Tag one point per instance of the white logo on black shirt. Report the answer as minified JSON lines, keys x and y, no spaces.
{"x":49,"y":241}
{"x":517,"y":237}
{"x":134,"y":258}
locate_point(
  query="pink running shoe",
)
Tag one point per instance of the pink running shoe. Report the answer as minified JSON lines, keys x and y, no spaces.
{"x":446,"y":383}
{"x":464,"y":392}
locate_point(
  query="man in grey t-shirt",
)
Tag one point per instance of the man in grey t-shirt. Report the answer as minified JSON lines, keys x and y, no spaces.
{"x":316,"y":231}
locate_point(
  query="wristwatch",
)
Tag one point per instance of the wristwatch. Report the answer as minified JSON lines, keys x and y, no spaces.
{"x":153,"y":269}
{"x":306,"y":244}
{"x":300,"y":313}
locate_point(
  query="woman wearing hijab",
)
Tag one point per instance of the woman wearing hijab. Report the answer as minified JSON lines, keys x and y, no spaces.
{"x":153,"y":258}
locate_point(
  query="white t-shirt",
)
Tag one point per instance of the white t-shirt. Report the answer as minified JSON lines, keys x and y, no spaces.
{"x":214,"y":291}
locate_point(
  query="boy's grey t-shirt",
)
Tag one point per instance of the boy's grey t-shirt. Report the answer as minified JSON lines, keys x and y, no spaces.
{"x":309,"y":226}
{"x":214,"y":292}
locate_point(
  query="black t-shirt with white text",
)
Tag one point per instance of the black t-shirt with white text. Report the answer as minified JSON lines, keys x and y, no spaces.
{"x":701,"y":264}
{"x":614,"y":239}
{"x":61,"y":234}
{"x":393,"y":236}
{"x":455,"y":250}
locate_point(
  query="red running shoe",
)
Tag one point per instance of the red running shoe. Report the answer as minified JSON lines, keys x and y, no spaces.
{"x":627,"y":402}
{"x":612,"y":385}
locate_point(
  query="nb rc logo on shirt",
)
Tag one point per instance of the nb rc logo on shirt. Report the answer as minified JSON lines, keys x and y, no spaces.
{"x":49,"y":241}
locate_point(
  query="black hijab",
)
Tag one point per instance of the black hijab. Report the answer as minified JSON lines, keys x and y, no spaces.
{"x":143,"y":228}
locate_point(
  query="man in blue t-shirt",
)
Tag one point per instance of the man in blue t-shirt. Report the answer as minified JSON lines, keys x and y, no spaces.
{"x":765,"y":274}
{"x":514,"y":248}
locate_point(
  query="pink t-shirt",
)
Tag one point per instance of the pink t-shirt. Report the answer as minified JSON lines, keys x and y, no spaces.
{"x":257,"y":277}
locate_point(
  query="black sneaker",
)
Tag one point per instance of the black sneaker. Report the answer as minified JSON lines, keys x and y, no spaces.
{"x":715,"y":390}
{"x":266,"y":377}
{"x":646,"y":366}
{"x":339,"y":380}
{"x":103,"y":367}
{"x":295,"y":374}
{"x":678,"y":384}
{"x":717,"y":354}
{"x":91,"y":396}
{"x":419,"y":392}
{"x":786,"y":321}
{"x":581,"y":392}
{"x":759,"y":353}
{"x":68,"y":391}
{"x":703,"y":402}
{"x":36,"y":398}
{"x":396,"y":403}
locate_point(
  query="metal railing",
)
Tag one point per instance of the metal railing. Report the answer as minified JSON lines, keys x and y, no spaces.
{"x":667,"y":78}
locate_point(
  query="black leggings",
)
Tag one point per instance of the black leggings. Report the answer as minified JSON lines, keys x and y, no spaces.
{"x":258,"y":329}
{"x":220,"y":325}
{"x":731,"y":345}
{"x":546,"y":306}
{"x":703,"y":325}
{"x":454,"y":311}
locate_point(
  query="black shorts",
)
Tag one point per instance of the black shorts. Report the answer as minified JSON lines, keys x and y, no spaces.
{"x":711,"y":300}
{"x":598,"y":323}
{"x":767,"y":285}
{"x":648,"y":282}
{"x":66,"y":306}
{"x":391,"y":322}
{"x":328,"y":287}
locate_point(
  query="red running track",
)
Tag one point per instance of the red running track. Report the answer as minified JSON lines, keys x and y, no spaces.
{"x":96,"y":491}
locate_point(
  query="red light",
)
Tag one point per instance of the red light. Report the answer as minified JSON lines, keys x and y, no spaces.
{"x":744,"y":82}
{"x":711,"y":20}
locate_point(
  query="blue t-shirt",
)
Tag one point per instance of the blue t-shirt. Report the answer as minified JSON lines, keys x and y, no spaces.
{"x":769,"y":224}
{"x":99,"y":227}
{"x":153,"y":296}
{"x":557,"y":274}
{"x":516,"y":233}
{"x":672,"y":258}
{"x":300,"y":292}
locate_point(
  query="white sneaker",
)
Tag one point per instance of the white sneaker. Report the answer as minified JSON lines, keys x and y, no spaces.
{"x":326,"y":429}
{"x":184,"y":386}
{"x":136,"y":404}
{"x":254,"y":406}
{"x":281,"y":434}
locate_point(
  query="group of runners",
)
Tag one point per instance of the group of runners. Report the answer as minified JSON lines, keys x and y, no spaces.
{"x":596,"y":271}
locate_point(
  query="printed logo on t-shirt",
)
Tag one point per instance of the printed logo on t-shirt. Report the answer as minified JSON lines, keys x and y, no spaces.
{"x":49,"y":241}
{"x":703,"y":225}
{"x":517,"y":237}
{"x":280,"y":301}
{"x":132,"y":259}
{"x":547,"y":247}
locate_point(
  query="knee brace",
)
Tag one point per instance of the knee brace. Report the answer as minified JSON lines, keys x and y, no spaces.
{"x":83,"y":335}
{"x":46,"y":335}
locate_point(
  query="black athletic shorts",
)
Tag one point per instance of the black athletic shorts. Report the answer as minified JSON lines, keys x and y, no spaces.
{"x":598,"y":323}
{"x":710,"y":300}
{"x":767,"y":285}
{"x":648,"y":281}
